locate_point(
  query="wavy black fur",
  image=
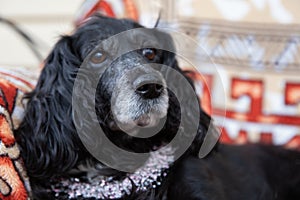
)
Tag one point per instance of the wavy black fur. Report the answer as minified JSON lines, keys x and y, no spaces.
{"x":51,"y":147}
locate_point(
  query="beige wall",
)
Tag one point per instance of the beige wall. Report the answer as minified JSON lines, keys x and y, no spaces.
{"x":44,"y":20}
{"x":266,"y":11}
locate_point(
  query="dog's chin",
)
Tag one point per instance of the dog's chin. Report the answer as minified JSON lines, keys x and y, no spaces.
{"x":149,"y":124}
{"x":147,"y":120}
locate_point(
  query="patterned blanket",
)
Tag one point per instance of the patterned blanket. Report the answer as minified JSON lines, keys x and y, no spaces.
{"x":14,"y":183}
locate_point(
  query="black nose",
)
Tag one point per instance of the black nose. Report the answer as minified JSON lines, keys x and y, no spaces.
{"x":150,"y":90}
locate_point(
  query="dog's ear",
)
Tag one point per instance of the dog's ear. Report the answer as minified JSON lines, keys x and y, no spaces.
{"x":169,"y":59}
{"x":48,"y":140}
{"x":208,"y":134}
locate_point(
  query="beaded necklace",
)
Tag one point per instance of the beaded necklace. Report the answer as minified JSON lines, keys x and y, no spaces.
{"x":146,"y":177}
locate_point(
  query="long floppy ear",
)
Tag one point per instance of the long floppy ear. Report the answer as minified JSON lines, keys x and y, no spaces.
{"x":48,"y":139}
{"x":207,"y":135}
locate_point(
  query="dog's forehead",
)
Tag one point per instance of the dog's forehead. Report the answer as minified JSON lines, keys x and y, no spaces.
{"x":135,"y":39}
{"x":102,"y":27}
{"x":116,"y":36}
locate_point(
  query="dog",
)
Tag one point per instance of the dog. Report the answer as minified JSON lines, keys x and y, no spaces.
{"x":132,"y":96}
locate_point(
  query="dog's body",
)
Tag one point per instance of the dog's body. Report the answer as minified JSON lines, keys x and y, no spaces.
{"x":51,"y":147}
{"x":239,"y":172}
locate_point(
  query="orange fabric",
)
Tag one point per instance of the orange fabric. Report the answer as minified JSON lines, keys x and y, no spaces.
{"x":255,"y":89}
{"x":131,"y":10}
{"x":10,"y":176}
{"x":10,"y":94}
{"x":6,"y":135}
{"x":12,"y":173}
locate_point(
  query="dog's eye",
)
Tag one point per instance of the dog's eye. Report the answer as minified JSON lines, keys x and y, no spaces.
{"x":98,"y":57}
{"x":149,"y":53}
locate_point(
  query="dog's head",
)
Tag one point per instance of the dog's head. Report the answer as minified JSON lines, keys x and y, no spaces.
{"x":131,"y":97}
{"x":132,"y":85}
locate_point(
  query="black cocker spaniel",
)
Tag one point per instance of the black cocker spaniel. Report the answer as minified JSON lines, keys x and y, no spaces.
{"x":140,"y":89}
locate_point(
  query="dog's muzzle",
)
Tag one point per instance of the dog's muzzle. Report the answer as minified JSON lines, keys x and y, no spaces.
{"x":140,"y":99}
